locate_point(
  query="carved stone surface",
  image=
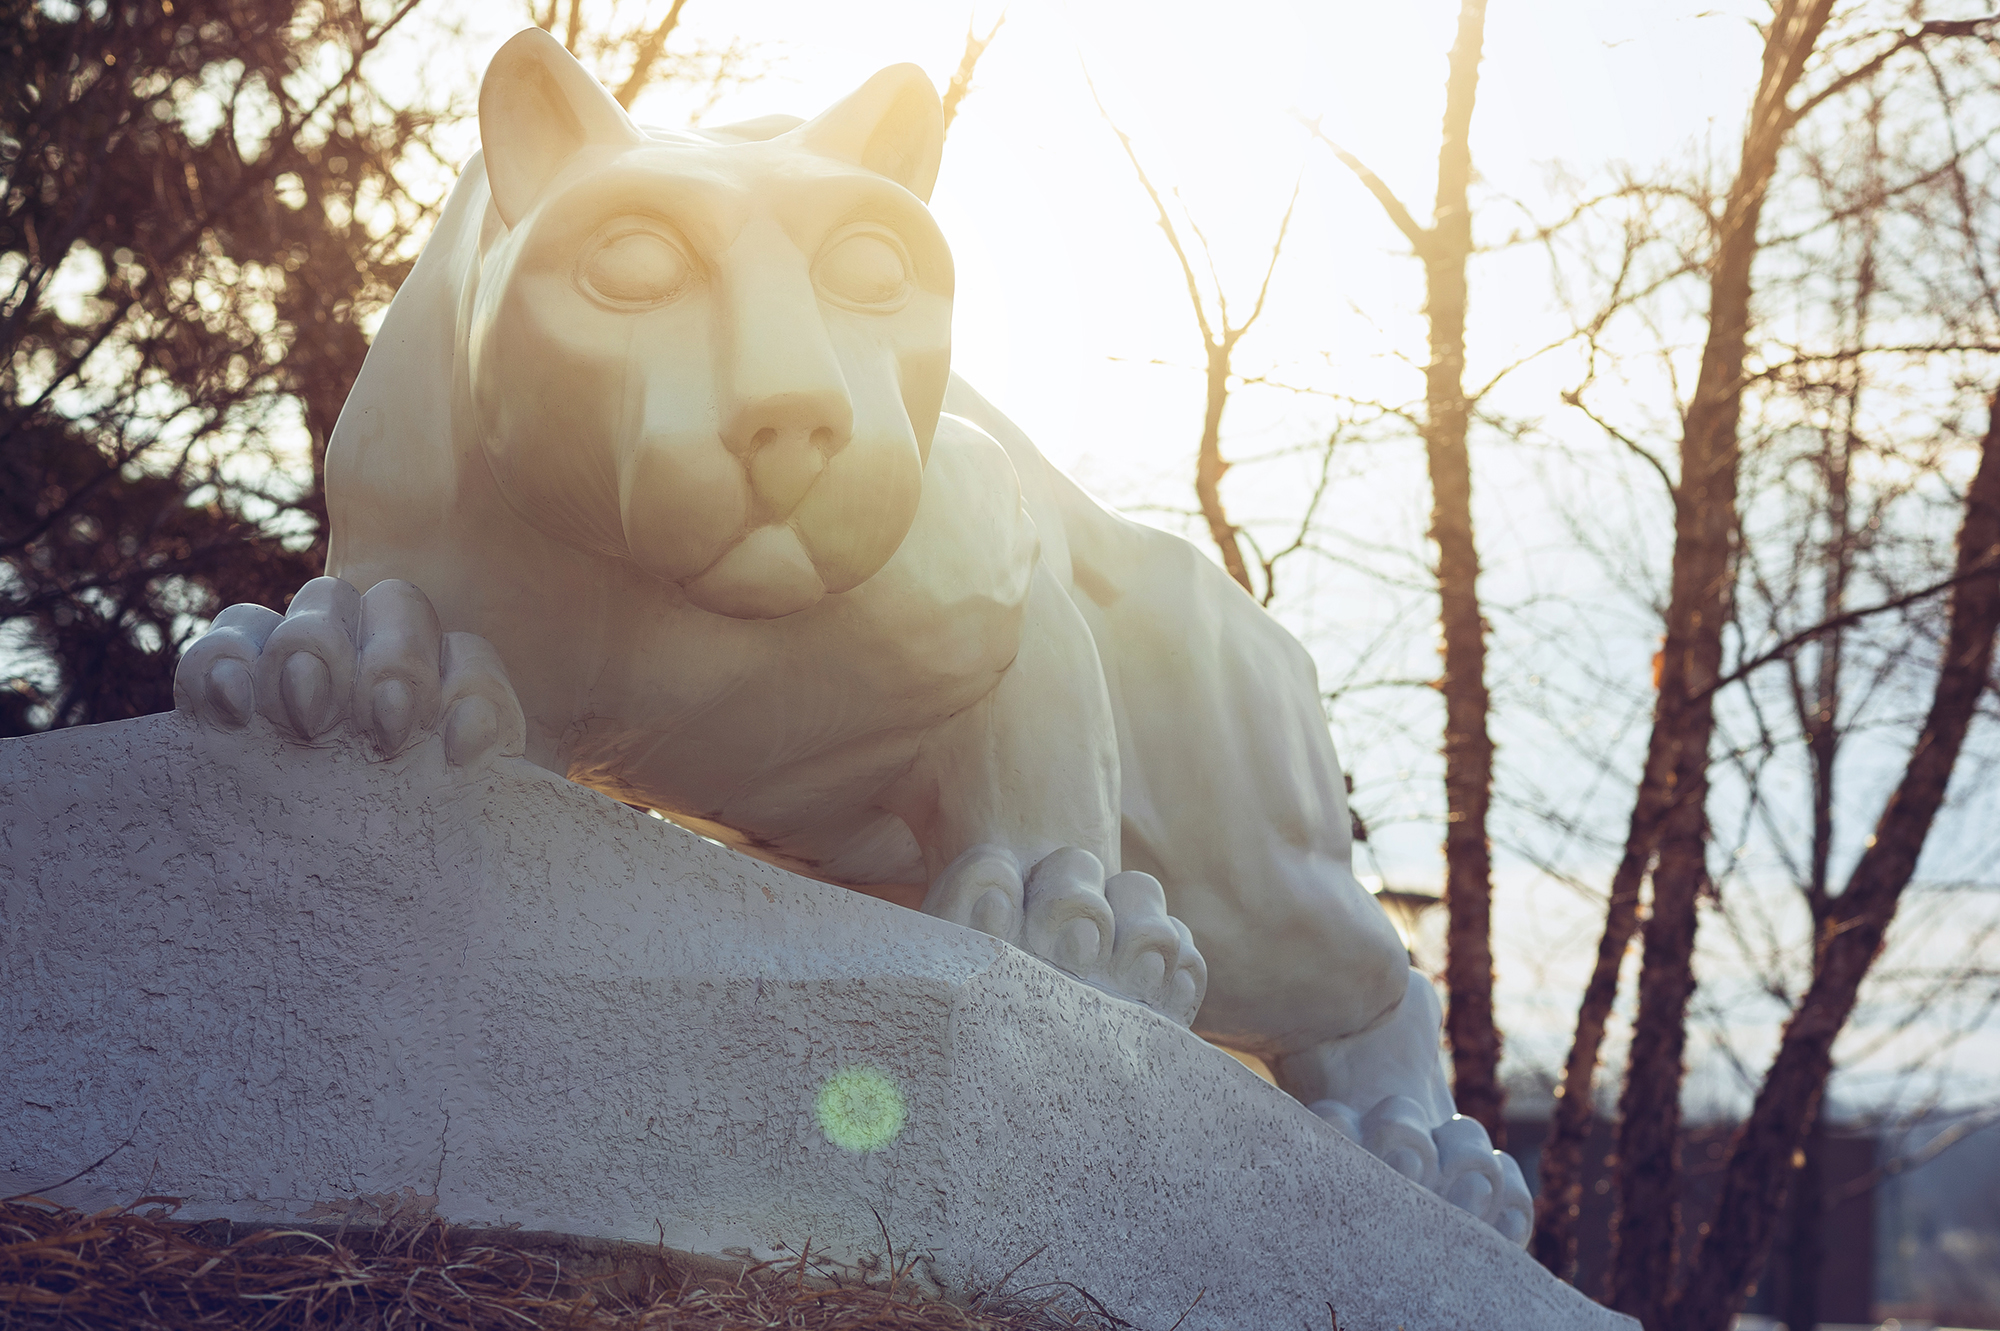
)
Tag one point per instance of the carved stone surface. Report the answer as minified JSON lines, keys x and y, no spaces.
{"x":656,"y":475}
{"x":311,"y":984}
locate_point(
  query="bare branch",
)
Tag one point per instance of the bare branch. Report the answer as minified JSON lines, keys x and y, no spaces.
{"x":960,"y":86}
{"x":1475,"y":396}
{"x":1909,"y":38}
{"x":1208,"y":259}
{"x":1270,"y":268}
{"x":1851,"y":618}
{"x":1166,"y":222}
{"x":1417,"y":234}
{"x":1574,"y":397}
{"x":647,"y":56}
{"x":1298,"y":542}
{"x":1855,"y":353}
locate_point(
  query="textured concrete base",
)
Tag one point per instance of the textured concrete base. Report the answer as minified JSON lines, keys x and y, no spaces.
{"x":306,"y":985}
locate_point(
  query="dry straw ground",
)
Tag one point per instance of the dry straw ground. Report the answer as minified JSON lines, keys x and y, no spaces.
{"x":119,"y":1269}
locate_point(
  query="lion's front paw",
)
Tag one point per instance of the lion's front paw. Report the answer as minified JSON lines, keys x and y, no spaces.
{"x":1456,"y":1160}
{"x":1113,"y":934}
{"x":380,"y":661}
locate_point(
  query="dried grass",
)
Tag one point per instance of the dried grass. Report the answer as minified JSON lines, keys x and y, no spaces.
{"x":117,"y":1269}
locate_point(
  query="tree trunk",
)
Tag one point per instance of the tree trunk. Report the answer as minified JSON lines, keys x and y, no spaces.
{"x":1646,"y":1232}
{"x":1468,"y":748}
{"x":1560,"y":1199}
{"x":1444,"y":247}
{"x":1806,"y":1253}
{"x":1759,"y":1168}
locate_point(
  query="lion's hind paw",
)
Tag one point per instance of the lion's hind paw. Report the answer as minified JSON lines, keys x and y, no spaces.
{"x":1455,"y":1159}
{"x":1113,"y":934}
{"x":379,"y":660}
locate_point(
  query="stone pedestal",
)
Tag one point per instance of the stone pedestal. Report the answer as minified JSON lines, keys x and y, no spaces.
{"x":302,"y":985}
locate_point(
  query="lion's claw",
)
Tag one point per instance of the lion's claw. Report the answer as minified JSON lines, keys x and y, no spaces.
{"x":1456,"y":1160}
{"x":213,"y":680}
{"x":379,"y":661}
{"x":1068,"y":923}
{"x":1341,"y":1116}
{"x":306,"y":666}
{"x":1514,"y":1214}
{"x":1468,"y":1166}
{"x":1395,"y":1132}
{"x":482,"y":715}
{"x":1114,"y":935}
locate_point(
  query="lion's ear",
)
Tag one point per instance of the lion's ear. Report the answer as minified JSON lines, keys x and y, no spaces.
{"x":537,"y":107}
{"x":891,"y":124}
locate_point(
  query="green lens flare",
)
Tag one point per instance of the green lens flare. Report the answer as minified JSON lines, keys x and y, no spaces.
{"x":860,"y":1109}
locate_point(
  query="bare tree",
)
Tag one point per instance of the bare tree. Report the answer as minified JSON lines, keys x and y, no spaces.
{"x":1705,"y":510}
{"x":1855,"y":923}
{"x":1825,"y":544}
{"x":1933,"y":279}
{"x":1218,"y":340}
{"x":224,"y":185}
{"x":1669,"y":829}
{"x":1670,"y":815}
{"x":1445,"y":246}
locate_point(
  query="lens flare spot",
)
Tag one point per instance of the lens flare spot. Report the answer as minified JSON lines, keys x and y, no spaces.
{"x":860,"y":1109}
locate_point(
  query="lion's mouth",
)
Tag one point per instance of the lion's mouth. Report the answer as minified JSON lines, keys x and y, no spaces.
{"x":765,"y":575}
{"x":769,"y":530}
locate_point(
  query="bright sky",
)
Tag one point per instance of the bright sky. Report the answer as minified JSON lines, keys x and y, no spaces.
{"x":1072,"y":316}
{"x":1066,"y":290}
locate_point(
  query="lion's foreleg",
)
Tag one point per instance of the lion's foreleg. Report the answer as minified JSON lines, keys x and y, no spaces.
{"x":1015,"y":804}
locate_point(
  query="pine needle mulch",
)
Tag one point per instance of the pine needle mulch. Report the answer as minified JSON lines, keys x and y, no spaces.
{"x":61,"y":1268}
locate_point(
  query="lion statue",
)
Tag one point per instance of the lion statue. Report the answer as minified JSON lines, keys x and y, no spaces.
{"x":664,"y":427}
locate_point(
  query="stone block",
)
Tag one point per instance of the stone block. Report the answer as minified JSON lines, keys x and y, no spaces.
{"x":299,"y":984}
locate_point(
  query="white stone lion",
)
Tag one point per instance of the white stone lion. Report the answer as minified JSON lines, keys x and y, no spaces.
{"x":665,"y":423}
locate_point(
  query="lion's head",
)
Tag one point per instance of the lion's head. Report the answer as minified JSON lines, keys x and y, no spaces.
{"x":718,"y":355}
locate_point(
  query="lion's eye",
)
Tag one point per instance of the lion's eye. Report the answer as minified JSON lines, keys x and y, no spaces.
{"x":635,"y":266}
{"x":863,"y":268}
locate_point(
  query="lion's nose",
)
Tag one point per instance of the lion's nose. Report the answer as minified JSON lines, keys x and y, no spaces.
{"x":785,"y":446}
{"x":785,"y":463}
{"x":820,"y":421}
{"x":786,"y":409}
